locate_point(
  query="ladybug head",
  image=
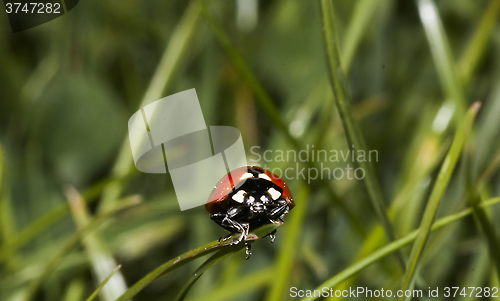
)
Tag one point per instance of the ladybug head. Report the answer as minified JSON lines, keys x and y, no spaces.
{"x":258,"y":193}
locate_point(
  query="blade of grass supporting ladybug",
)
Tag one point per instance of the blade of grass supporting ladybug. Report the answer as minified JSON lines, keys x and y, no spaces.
{"x":436,"y":195}
{"x":287,"y":251}
{"x":162,"y":79}
{"x":353,"y":134}
{"x":364,"y":11}
{"x":472,"y":55}
{"x":394,"y":246}
{"x":94,"y":294}
{"x":220,"y":255}
{"x":239,"y":286}
{"x":188,"y":257}
{"x":268,"y":105}
{"x":52,"y":263}
{"x":441,"y":53}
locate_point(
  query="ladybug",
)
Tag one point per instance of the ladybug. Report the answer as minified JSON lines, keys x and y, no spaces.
{"x":246,"y":199}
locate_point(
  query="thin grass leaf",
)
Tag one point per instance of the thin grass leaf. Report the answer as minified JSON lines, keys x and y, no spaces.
{"x":269,"y":107}
{"x":162,"y":79}
{"x":44,"y":222}
{"x":364,"y":11}
{"x":73,"y":241}
{"x":353,"y":133}
{"x":441,"y":53}
{"x":190,"y":256}
{"x":436,"y":195}
{"x":476,"y":48}
{"x":481,"y":218}
{"x":94,"y":294}
{"x":289,"y":248}
{"x":484,"y":224}
{"x":101,"y":259}
{"x":394,"y":246}
{"x":441,"y":237}
{"x":261,"y":94}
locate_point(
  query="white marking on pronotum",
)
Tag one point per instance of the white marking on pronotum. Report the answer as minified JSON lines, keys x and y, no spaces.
{"x":264,"y":176}
{"x":246,"y":175}
{"x":239,"y":196}
{"x":275,"y":194}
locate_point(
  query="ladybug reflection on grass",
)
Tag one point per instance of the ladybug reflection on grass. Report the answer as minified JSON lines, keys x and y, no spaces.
{"x":246,"y":199}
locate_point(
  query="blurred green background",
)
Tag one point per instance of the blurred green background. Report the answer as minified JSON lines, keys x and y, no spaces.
{"x":68,"y":87}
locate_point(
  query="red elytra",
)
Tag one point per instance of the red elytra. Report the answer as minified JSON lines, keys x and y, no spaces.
{"x":229,"y":181}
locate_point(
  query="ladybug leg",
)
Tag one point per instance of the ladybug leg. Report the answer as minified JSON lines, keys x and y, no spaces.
{"x":248,"y":251}
{"x":241,"y":228}
{"x":244,"y":227}
{"x":273,"y":235}
{"x":279,"y":212}
{"x":225,"y":237}
{"x":226,"y":220}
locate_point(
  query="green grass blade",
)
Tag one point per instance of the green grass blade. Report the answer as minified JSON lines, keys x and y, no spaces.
{"x":94,"y":294}
{"x":261,"y":94}
{"x":101,"y":259}
{"x":73,"y":241}
{"x":436,"y":195}
{"x":486,"y":228}
{"x":394,"y":246}
{"x":189,"y":256}
{"x":441,"y":54}
{"x":364,"y":11}
{"x":481,"y":218}
{"x":44,"y":222}
{"x":289,"y":248}
{"x":353,"y":134}
{"x":476,"y":47}
{"x":162,"y":79}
